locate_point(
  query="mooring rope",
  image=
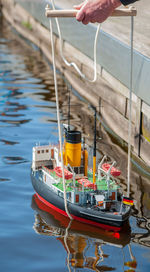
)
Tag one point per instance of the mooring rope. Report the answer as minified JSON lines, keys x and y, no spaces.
{"x":58,"y":117}
{"x":66,"y":236}
{"x":130,"y":106}
{"x":73,"y":64}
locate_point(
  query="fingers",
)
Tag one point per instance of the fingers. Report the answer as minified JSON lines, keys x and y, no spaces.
{"x":80,"y":16}
{"x":85,"y":20}
{"x":94,"y":11}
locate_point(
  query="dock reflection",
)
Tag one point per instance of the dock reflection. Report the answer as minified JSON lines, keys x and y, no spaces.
{"x":85,"y":245}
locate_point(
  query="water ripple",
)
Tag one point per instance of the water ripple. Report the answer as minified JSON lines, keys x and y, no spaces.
{"x":13,"y":160}
{"x":4,"y":179}
{"x":8,"y":142}
{"x":15,"y":122}
{"x":15,"y":85}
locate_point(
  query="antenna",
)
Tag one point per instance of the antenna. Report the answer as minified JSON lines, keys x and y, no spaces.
{"x":94,"y":146}
{"x":68,"y":109}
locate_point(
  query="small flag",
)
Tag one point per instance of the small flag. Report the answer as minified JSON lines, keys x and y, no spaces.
{"x":127,"y":201}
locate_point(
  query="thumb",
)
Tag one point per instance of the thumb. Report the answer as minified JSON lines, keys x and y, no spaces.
{"x":78,"y":6}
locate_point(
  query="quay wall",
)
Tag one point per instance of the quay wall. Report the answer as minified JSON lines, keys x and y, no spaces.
{"x":111,"y":90}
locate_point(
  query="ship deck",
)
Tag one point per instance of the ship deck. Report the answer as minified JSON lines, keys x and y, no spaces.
{"x":100,"y":184}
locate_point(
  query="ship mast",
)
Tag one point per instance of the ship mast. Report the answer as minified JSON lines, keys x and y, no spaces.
{"x":94,"y":148}
{"x":69,"y":110}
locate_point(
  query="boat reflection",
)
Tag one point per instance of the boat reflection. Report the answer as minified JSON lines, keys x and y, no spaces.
{"x":79,"y":240}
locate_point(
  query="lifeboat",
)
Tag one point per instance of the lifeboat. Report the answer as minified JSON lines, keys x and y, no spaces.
{"x":86,"y":183}
{"x":114,"y":171}
{"x":58,"y":171}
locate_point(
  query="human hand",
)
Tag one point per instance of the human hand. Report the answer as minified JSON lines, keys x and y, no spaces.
{"x":92,"y":11}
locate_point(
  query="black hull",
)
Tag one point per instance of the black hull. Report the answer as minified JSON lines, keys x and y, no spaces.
{"x":82,"y":214}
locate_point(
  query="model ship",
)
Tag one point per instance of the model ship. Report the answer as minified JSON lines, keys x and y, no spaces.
{"x":93,"y":196}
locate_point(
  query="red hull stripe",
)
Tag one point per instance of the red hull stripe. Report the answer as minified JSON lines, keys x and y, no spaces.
{"x":80,"y":219}
{"x":51,"y":206}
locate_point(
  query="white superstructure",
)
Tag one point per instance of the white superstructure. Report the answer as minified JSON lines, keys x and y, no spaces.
{"x":44,"y":155}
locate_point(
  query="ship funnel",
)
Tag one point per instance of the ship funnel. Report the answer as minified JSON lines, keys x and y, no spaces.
{"x":72,"y":152}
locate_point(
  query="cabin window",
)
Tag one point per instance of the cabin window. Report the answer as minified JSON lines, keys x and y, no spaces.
{"x":69,"y":196}
{"x":77,"y":198}
{"x":42,"y":151}
{"x":113,"y":196}
{"x":38,"y":152}
{"x":52,"y":153}
{"x":47,"y":150}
